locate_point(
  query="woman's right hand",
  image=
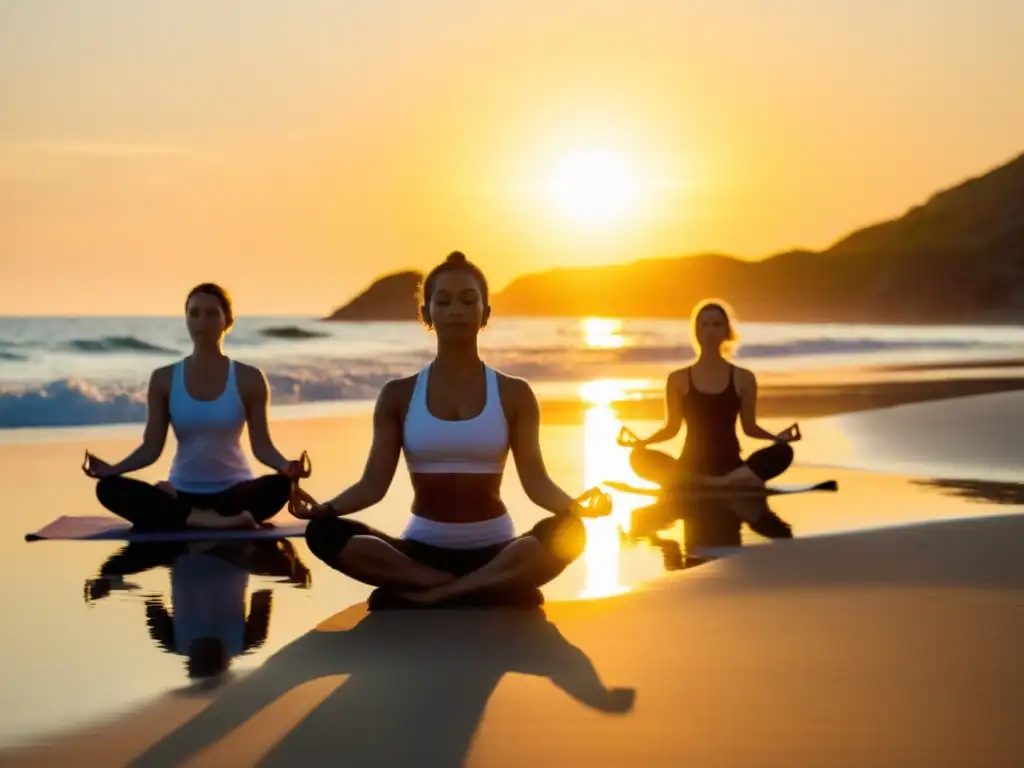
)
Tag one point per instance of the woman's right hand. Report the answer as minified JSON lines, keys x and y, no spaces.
{"x":299,"y":468}
{"x":304,"y":507}
{"x":96,"y":468}
{"x":627,"y":438}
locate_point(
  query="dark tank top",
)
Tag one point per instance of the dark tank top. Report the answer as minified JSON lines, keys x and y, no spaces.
{"x":711,"y":446}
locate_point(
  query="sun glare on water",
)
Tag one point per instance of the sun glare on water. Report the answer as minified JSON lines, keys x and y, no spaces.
{"x":593,"y":186}
{"x":604,"y":459}
{"x":602,"y":332}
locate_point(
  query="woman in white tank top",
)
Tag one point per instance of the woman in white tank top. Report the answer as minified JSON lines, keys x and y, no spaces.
{"x":455,"y":421}
{"x":207,"y":399}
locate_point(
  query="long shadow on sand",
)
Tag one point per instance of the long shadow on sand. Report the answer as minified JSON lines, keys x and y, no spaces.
{"x":993,"y":492}
{"x":981,"y":553}
{"x":418,"y":684}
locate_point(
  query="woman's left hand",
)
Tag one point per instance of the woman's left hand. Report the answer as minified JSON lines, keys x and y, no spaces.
{"x":298,"y":469}
{"x":592,"y":503}
{"x":790,"y":434}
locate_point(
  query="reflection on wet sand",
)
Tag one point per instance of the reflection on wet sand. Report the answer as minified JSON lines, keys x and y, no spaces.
{"x":708,"y":523}
{"x":989,"y":491}
{"x":207,"y":620}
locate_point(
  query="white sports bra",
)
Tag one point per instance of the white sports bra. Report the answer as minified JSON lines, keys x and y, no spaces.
{"x":472,"y":446}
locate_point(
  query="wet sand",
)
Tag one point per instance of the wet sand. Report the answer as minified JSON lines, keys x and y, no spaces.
{"x":892,"y":645}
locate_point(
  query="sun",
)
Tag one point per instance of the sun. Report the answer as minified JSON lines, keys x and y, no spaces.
{"x":593,"y":186}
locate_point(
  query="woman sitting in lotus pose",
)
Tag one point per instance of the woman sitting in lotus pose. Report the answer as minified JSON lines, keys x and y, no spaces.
{"x":207,"y":399}
{"x":456,"y":421}
{"x":710,"y":395}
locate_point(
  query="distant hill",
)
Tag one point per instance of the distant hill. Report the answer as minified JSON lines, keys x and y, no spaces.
{"x":959,"y":258}
{"x":392,"y":297}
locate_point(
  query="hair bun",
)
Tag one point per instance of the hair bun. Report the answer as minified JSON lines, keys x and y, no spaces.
{"x":456,"y":257}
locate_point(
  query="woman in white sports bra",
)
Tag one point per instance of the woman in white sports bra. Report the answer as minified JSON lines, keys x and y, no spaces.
{"x":207,"y":399}
{"x":455,"y":421}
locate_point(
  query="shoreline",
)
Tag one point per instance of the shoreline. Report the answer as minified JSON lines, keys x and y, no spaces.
{"x":804,"y":394}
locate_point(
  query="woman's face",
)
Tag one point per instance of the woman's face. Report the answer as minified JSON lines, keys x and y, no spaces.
{"x":712,"y":328}
{"x":205,"y":318}
{"x":456,"y":305}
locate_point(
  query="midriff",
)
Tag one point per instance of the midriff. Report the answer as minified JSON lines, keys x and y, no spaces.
{"x":457,"y":498}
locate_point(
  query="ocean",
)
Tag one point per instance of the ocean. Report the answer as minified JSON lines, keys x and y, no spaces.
{"x":77,"y":371}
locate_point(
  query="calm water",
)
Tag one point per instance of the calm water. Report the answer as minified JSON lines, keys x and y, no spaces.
{"x":76,"y":371}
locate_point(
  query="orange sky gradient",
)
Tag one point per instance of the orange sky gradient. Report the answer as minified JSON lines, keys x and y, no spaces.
{"x":295,"y":151}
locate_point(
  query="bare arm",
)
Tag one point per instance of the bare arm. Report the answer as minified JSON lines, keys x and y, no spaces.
{"x":525,"y":443}
{"x":157,"y":421}
{"x":673,"y":412}
{"x":748,"y":408}
{"x":381,"y":462}
{"x":257,"y":407}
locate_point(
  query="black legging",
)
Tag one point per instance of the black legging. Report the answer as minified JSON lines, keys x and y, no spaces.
{"x":662,"y":469}
{"x":146,"y":506}
{"x":260,"y":558}
{"x":563,"y":537}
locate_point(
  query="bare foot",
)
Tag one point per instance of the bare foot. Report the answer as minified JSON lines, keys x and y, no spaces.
{"x":716,"y":480}
{"x":209,"y":518}
{"x":424,"y":596}
{"x":167,"y":488}
{"x":743,"y":477}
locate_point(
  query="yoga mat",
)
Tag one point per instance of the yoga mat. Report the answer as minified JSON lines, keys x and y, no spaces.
{"x":710,"y":490}
{"x":105,"y":528}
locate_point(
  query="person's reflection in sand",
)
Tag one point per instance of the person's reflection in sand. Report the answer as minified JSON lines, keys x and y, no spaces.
{"x":419,"y":681}
{"x":207,"y":622}
{"x":709,"y":522}
{"x":990,"y":491}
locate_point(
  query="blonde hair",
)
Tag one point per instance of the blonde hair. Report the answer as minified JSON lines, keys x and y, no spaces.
{"x":731,"y":338}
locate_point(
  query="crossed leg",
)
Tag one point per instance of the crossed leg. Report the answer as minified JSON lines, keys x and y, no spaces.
{"x":760,"y":467}
{"x":427,"y":574}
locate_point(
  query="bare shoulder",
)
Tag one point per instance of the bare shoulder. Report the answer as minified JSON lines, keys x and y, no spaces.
{"x":745,"y":378}
{"x":251,"y":380}
{"x":247,"y":372}
{"x":161,"y":378}
{"x":396,"y":394}
{"x":679,"y":381}
{"x":677,"y":377}
{"x":514,"y":390}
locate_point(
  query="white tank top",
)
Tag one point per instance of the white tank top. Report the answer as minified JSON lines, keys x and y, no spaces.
{"x":209,"y":433}
{"x":472,"y":446}
{"x":208,"y":601}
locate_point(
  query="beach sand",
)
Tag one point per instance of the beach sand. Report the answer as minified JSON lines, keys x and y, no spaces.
{"x":889,"y":646}
{"x":799,"y":654}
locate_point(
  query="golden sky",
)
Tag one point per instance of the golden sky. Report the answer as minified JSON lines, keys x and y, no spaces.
{"x":296,"y":150}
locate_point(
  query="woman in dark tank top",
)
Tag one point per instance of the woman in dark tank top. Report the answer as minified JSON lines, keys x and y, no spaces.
{"x":711,"y":395}
{"x":711,"y":447}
